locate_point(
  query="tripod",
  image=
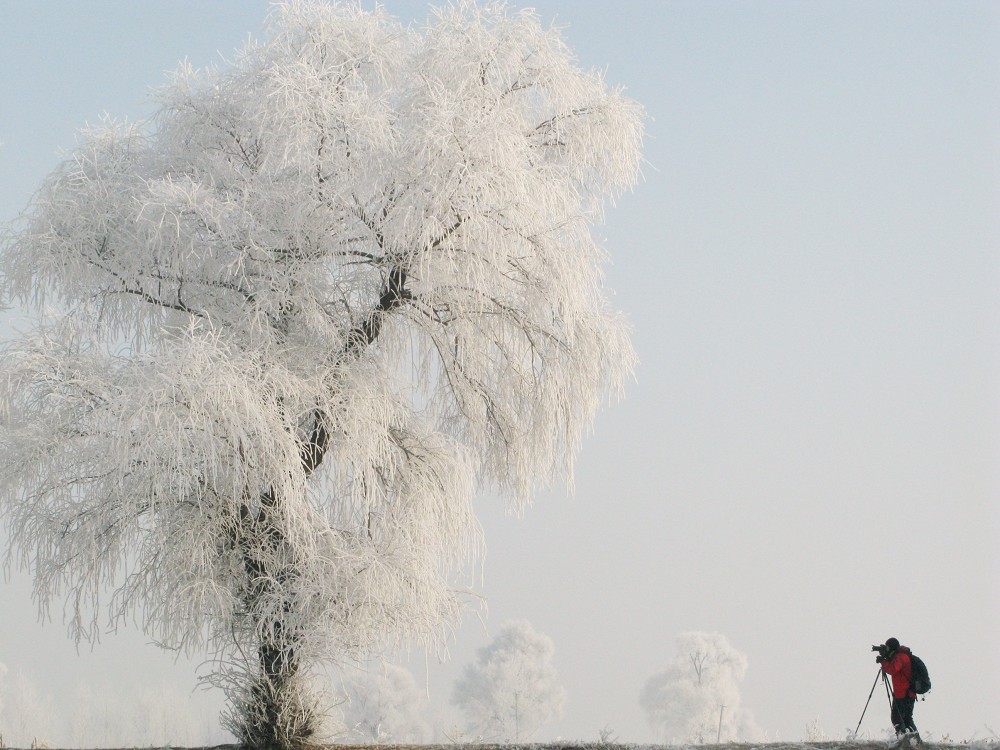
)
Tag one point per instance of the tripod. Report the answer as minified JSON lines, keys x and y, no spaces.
{"x":888,"y":694}
{"x":893,"y":708}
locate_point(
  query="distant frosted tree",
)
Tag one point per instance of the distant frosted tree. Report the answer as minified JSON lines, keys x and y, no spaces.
{"x":86,"y":721}
{"x":103,"y":718}
{"x":152,"y":716}
{"x":164,"y":715}
{"x":3,"y":688}
{"x":27,"y":716}
{"x":284,"y":329}
{"x":510,"y":691}
{"x":697,"y":698}
{"x":384,"y":704}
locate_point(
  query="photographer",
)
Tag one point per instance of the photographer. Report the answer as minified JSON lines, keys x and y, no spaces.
{"x":895,"y":661}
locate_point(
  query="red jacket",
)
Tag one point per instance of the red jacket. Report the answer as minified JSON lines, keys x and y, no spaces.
{"x":900,"y":668}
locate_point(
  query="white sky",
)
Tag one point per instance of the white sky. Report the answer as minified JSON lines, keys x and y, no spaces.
{"x":811,"y":267}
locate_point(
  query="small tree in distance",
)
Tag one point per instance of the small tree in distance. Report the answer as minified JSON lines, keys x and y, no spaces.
{"x":25,"y":719}
{"x":697,"y":698}
{"x":3,"y":689}
{"x":384,"y":705}
{"x":282,"y":331}
{"x":510,"y":691}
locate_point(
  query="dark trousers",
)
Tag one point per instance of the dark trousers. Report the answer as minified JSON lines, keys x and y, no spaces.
{"x":902,"y":715}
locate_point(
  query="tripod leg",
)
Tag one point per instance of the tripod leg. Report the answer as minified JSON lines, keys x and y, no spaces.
{"x":870,"y":694}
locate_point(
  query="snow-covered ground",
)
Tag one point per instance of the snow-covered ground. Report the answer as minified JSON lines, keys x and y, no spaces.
{"x":990,"y":744}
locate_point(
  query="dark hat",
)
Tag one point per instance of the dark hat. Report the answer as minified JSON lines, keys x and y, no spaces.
{"x":892,"y":644}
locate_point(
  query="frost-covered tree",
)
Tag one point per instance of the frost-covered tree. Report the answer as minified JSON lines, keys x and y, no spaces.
{"x":153,"y":716}
{"x":285,"y":329}
{"x":384,"y":704}
{"x":27,"y":718}
{"x":3,"y":689}
{"x":511,"y":689}
{"x":697,"y":698}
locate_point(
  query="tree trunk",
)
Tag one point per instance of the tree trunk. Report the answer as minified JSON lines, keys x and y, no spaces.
{"x":276,"y":714}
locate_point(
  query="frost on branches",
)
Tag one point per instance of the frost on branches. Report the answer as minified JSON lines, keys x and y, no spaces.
{"x":697,"y":698}
{"x":510,"y":691}
{"x":285,"y":329}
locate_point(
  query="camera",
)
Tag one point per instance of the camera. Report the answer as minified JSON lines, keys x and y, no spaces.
{"x":882,"y":650}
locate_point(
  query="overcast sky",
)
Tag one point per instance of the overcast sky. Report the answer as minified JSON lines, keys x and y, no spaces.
{"x":809,"y":459}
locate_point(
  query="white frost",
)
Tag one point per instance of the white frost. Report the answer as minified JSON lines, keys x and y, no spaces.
{"x":286,"y":328}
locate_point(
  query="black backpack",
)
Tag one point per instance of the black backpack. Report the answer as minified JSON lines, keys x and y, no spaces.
{"x":920,"y":681}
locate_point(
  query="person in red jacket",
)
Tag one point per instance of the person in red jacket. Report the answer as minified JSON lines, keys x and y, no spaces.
{"x":895,"y":661}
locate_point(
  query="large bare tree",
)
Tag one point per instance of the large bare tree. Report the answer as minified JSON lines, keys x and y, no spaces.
{"x":285,"y":329}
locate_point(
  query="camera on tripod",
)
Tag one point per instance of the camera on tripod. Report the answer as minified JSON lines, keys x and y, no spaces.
{"x":882,"y":650}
